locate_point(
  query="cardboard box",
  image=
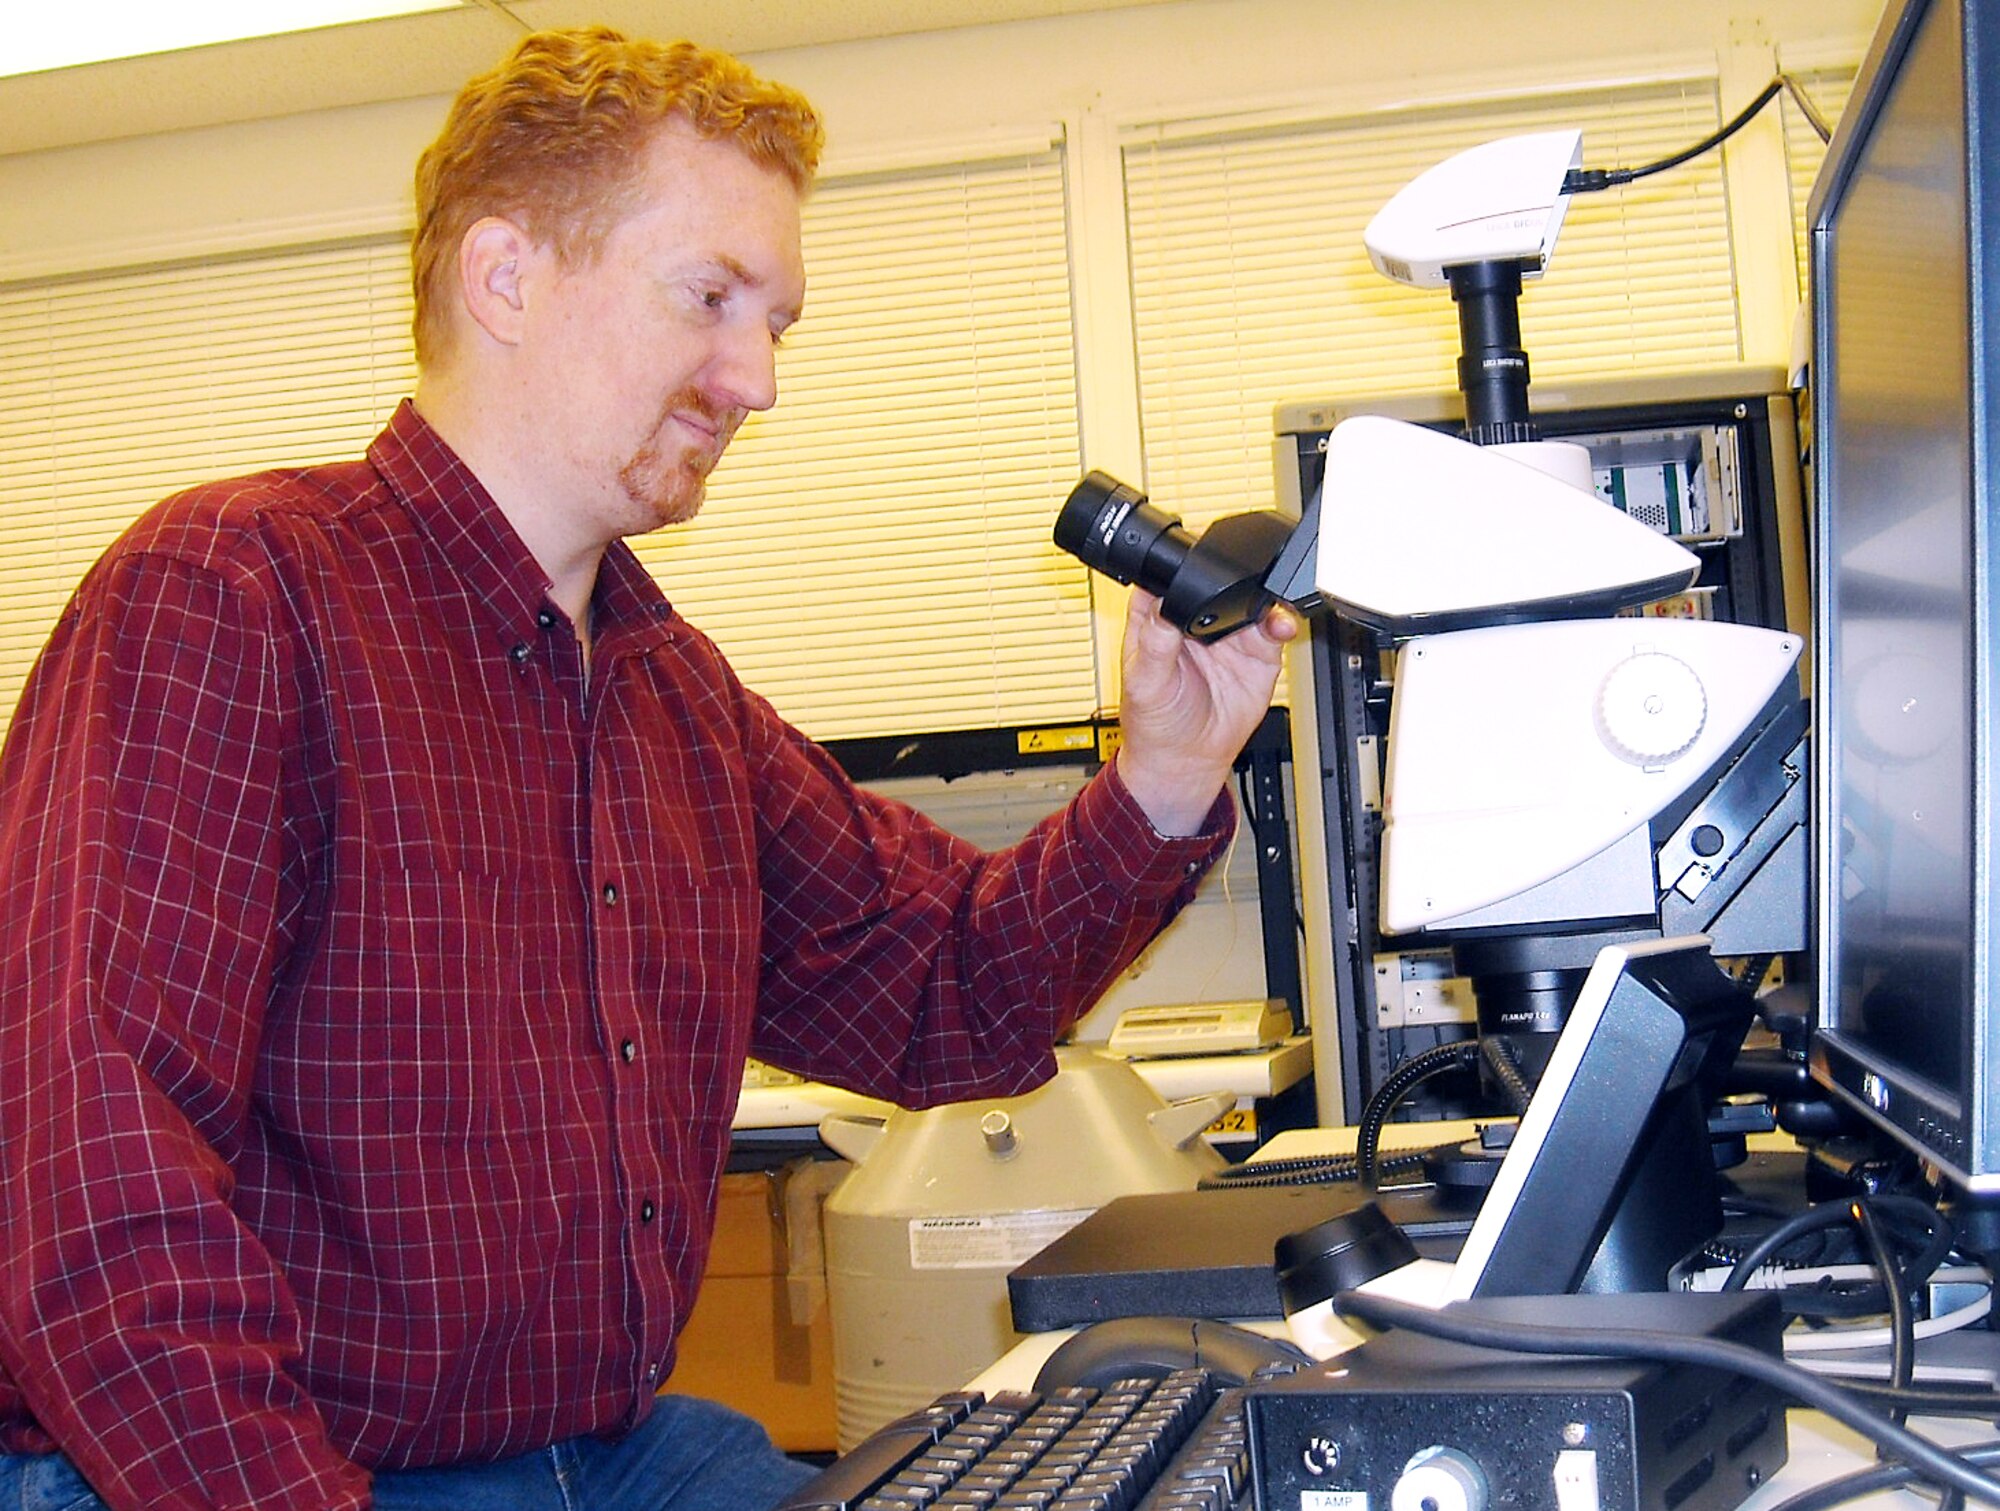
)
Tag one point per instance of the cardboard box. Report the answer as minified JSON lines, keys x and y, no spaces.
{"x":759,"y":1338}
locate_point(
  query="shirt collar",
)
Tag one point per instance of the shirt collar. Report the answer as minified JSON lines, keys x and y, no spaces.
{"x":460,"y":518}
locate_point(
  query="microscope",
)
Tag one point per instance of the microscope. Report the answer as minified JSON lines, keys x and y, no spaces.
{"x":1560,"y":778}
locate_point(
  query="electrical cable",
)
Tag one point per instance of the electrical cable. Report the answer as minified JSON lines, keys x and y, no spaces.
{"x":1976,"y":1401}
{"x":1832,"y":1339}
{"x":1829,"y":1215}
{"x":1874,"y":1215}
{"x":1832,"y":1309}
{"x":1931,"y":1461}
{"x":1806,"y":108}
{"x":1881,"y":1218}
{"x":1843,"y":1305}
{"x":1860,"y":1482}
{"x":1902,"y":1323}
{"x":1943,"y":1239}
{"x":1811,"y":1275}
{"x":1902,"y":1314}
{"x":1812,"y":1220}
{"x":1593,"y":180}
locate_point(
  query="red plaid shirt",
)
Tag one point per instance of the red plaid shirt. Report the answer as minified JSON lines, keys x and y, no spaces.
{"x":377,"y":988}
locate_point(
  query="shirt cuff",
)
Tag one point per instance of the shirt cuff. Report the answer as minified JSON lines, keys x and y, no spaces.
{"x":1137,"y":858}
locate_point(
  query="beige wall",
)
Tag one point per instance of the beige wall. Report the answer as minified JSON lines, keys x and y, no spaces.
{"x":1096,"y":78}
{"x":306,"y":176}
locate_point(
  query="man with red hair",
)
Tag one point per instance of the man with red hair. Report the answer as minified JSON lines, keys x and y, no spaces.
{"x":394,"y":883}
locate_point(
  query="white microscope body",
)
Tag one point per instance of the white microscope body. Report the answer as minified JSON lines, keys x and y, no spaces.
{"x":1524,"y":743}
{"x":1534,"y":735}
{"x":1536,"y":732}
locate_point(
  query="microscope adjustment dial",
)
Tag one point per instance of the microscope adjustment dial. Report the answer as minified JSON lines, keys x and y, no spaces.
{"x":1651,"y":707}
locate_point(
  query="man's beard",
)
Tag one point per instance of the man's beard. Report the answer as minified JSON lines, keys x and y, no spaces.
{"x":667,"y":487}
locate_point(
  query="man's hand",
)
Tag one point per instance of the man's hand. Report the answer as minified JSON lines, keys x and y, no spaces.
{"x":1187,"y":708}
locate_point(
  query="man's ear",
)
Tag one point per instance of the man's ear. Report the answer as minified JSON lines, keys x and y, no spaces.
{"x":492,"y":264}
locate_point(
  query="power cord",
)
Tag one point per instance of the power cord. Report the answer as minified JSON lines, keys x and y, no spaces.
{"x":1852,"y":1486}
{"x":1593,"y":180}
{"x":1838,"y":1214}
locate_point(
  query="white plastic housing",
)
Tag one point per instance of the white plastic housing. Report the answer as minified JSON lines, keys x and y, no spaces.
{"x":1498,"y":202}
{"x":1422,"y":1282}
{"x":1416,"y":526}
{"x":1520,"y":751}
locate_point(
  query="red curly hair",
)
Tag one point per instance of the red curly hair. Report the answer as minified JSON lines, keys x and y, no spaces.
{"x":549,"y":137}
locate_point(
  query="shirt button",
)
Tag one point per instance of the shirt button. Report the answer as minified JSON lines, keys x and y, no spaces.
{"x":518,"y":654}
{"x":627,"y":1051}
{"x":611,"y":891}
{"x":546,"y":618}
{"x":647,"y":1211}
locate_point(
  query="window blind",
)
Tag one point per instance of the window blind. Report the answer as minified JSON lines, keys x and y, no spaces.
{"x":875,"y":552}
{"x":1250,"y":284}
{"x":119,"y":389}
{"x":874,"y":555}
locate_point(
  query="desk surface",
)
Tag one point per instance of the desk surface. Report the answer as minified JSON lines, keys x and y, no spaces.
{"x":1820,"y":1448}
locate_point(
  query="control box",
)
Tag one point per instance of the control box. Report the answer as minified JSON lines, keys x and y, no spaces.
{"x":1406,"y":1422}
{"x":1200,"y":1028}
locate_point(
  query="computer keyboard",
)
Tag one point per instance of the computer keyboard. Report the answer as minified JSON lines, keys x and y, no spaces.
{"x":1169,"y":1444}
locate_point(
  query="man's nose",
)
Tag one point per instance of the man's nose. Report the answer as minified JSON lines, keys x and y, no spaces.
{"x":746,"y":370}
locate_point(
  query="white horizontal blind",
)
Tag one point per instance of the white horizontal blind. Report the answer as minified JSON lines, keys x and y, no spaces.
{"x":874,"y":554}
{"x":1828,"y":89}
{"x":1251,"y":285}
{"x":117,"y":390}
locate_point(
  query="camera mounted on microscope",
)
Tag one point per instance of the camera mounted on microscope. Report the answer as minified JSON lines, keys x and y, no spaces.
{"x":1477,"y":223}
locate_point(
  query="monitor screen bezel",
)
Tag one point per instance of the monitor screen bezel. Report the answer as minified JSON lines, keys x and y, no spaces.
{"x":1954,"y":1127}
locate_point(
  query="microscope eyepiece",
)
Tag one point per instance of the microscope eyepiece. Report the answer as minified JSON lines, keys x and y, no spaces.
{"x":1110,"y":528}
{"x":1207,"y":587}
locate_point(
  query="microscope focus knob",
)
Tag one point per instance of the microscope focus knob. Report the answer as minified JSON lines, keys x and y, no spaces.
{"x":1651,"y":708}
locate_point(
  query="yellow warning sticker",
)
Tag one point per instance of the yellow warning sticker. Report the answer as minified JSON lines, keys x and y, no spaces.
{"x":1065,"y":737}
{"x":1238,"y":1122}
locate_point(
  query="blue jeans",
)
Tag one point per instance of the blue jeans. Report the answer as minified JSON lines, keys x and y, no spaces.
{"x":689,"y":1455}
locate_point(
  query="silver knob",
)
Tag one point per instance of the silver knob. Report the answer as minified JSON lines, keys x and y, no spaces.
{"x":1439,"y":1479}
{"x":997,"y":1128}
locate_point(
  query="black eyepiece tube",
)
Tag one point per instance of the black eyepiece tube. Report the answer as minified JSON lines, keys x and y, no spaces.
{"x":1207,"y":588}
{"x":1110,"y":528}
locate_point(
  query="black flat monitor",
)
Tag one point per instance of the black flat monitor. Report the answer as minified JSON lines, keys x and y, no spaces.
{"x":1904,"y":224}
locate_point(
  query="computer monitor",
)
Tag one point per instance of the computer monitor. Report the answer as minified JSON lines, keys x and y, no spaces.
{"x":1904,"y":224}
